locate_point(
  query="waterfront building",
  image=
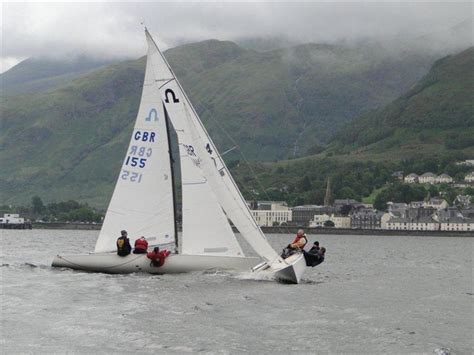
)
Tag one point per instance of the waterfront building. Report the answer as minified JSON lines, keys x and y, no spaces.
{"x":419,"y":212}
{"x":436,"y":203}
{"x":397,"y":209}
{"x":270,"y":213}
{"x":366,"y":218}
{"x":413,"y":224}
{"x":339,"y":221}
{"x":458,"y":224}
{"x":302,"y":215}
{"x":11,"y":218}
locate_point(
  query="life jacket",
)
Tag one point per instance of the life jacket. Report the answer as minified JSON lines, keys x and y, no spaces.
{"x":123,"y":246}
{"x":297,"y":239}
{"x":141,"y":244}
{"x":158,"y":259}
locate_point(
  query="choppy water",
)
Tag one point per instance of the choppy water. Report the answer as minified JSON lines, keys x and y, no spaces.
{"x":372,"y":295}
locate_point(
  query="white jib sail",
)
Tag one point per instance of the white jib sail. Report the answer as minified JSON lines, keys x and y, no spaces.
{"x":142,"y":202}
{"x":210,"y":162}
{"x":206,"y":230}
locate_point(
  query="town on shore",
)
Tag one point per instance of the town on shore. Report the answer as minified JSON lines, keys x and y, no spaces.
{"x":430,"y":214}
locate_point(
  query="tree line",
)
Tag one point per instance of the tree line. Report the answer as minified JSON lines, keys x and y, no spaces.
{"x":65,"y":211}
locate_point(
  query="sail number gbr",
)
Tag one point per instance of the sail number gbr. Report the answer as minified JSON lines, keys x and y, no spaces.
{"x":136,"y":158}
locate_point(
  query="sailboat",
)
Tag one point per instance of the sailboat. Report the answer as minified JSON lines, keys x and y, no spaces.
{"x":144,"y":199}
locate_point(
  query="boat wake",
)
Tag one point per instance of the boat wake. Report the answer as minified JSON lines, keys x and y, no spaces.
{"x":255,"y":276}
{"x":25,"y":265}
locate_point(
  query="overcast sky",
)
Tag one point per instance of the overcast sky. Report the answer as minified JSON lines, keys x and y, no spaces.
{"x":112,"y":29}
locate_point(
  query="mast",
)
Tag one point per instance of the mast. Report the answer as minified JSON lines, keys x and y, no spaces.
{"x":173,"y":186}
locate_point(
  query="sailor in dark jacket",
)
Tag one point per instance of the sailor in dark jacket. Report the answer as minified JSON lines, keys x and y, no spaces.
{"x":314,"y":259}
{"x":123,"y":244}
{"x":315,"y":248}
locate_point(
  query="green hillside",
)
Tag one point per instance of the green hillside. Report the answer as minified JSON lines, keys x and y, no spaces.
{"x":436,"y":115}
{"x":69,"y":142}
{"x":41,"y":74}
{"x":427,"y":129}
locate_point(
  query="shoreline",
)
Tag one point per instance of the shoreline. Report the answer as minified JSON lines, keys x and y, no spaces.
{"x":289,"y":230}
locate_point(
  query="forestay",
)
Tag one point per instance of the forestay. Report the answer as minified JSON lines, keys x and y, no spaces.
{"x":142,"y":202}
{"x":206,"y":156}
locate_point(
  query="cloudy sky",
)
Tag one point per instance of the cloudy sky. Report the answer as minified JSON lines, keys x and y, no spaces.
{"x":112,"y":29}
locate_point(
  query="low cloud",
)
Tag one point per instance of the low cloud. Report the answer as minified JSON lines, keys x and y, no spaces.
{"x":112,"y":30}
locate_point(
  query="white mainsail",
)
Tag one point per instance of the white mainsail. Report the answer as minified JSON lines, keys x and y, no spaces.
{"x":142,"y":202}
{"x":206,"y":156}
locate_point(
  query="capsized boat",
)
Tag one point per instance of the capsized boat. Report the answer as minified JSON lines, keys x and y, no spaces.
{"x":144,"y":199}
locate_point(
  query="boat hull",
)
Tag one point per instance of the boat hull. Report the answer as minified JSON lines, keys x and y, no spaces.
{"x":175,"y":263}
{"x":293,"y":270}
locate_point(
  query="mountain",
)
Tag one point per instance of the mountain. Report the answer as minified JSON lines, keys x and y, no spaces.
{"x":429,"y":128}
{"x":437,"y":114}
{"x":69,"y":142}
{"x":42,"y":74}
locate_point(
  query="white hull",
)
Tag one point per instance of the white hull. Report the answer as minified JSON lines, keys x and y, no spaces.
{"x":293,"y":271}
{"x":111,"y":263}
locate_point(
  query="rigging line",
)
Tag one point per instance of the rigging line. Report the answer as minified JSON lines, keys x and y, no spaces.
{"x":248,"y":164}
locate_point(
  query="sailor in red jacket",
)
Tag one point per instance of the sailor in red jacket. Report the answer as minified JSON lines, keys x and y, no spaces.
{"x":158,"y":257}
{"x":298,"y":244}
{"x":141,"y":246}
{"x":300,"y":240}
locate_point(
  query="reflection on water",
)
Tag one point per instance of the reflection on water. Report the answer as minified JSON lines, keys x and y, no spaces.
{"x":373,"y":294}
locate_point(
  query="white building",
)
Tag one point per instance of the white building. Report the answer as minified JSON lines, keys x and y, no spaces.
{"x":458,"y":224}
{"x":469,"y":177}
{"x":437,"y":203}
{"x":271,"y":213}
{"x":384,"y":220}
{"x":411,"y":178}
{"x":427,"y":178}
{"x":420,"y":224}
{"x":444,"y":179}
{"x":339,"y":221}
{"x":466,"y":162}
{"x":11,"y":218}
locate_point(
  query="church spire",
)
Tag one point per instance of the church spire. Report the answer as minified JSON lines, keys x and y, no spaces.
{"x":328,"y":196}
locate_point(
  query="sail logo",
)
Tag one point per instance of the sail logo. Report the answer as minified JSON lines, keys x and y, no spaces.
{"x":173,"y":96}
{"x":192,"y":154}
{"x":189,"y":150}
{"x":152,"y":116}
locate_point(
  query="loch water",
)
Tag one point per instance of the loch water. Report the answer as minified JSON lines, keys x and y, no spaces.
{"x":373,"y":294}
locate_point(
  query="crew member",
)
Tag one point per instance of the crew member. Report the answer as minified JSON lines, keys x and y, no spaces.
{"x":141,"y":246}
{"x":300,"y":240}
{"x":158,"y":257}
{"x":314,"y":259}
{"x":298,"y":244}
{"x":315,"y":248}
{"x":123,"y":244}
